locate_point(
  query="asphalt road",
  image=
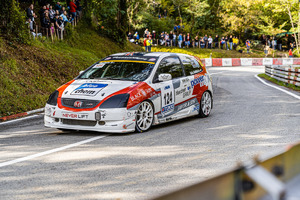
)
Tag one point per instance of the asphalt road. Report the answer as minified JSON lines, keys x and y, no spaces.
{"x":248,"y":119}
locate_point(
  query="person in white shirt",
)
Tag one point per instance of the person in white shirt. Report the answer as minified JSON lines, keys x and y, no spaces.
{"x":210,"y":40}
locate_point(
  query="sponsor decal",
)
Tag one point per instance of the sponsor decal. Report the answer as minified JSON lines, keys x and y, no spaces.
{"x":54,"y":113}
{"x":186,"y":104}
{"x":202,"y":80}
{"x":167,"y":87}
{"x":66,"y":92}
{"x":100,"y":65}
{"x":184,"y":91}
{"x":152,"y":59}
{"x":186,"y":80}
{"x":187,"y":93}
{"x":103,"y":113}
{"x":196,"y":108}
{"x":128,"y":125}
{"x":75,"y":116}
{"x":108,"y":58}
{"x":142,"y":93}
{"x":167,"y":109}
{"x":89,"y":89}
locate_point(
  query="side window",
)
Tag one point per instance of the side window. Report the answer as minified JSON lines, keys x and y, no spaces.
{"x":170,"y":65}
{"x":191,"y":65}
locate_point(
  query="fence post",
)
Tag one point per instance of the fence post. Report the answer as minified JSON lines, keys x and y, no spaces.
{"x":51,"y":34}
{"x":193,"y":44}
{"x":36,"y":29}
{"x":47,"y":32}
{"x":171,"y":43}
{"x":61,"y":34}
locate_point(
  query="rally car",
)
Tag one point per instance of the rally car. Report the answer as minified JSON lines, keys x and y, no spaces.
{"x":129,"y":92}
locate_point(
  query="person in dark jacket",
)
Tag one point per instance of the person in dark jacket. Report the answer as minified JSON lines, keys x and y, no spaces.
{"x":216,"y":41}
{"x":230,"y":42}
{"x":30,"y":13}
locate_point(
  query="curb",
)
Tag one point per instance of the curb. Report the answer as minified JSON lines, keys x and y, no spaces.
{"x":21,"y":114}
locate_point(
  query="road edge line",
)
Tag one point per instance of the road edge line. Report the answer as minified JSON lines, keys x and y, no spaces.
{"x":278,"y":88}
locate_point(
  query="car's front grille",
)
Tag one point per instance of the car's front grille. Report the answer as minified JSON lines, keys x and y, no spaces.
{"x":80,"y":103}
{"x":79,"y":122}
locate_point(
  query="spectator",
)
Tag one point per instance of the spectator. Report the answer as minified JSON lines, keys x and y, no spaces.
{"x":202,"y":43}
{"x":184,"y":40}
{"x":55,"y":21}
{"x":52,"y":29}
{"x":175,"y":29}
{"x":222,"y":42}
{"x":210,"y":40}
{"x":32,"y":30}
{"x":30,"y":13}
{"x":47,"y":6}
{"x":136,"y":37}
{"x":179,"y":40}
{"x":62,"y":10}
{"x":51,"y":13}
{"x":78,"y":10}
{"x":230,"y":42}
{"x":226,"y":43}
{"x":130,"y":37}
{"x":57,"y":12}
{"x":149,"y":43}
{"x":266,"y":50}
{"x":274,"y":43}
{"x":248,"y":44}
{"x":42,"y":13}
{"x":58,"y":6}
{"x":174,"y":39}
{"x":153,"y":35}
{"x":61,"y":24}
{"x":145,"y":44}
{"x":46,"y":21}
{"x":279,"y":43}
{"x":162,"y":39}
{"x":64,"y":17}
{"x":73,"y":8}
{"x":216,"y":41}
{"x":290,"y":53}
{"x":188,"y":39}
{"x":165,"y":13}
{"x":171,"y":38}
{"x":235,"y":42}
{"x":205,"y":40}
{"x":196,"y":41}
{"x":146,"y":33}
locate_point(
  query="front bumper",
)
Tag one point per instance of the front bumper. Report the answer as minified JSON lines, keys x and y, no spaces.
{"x":116,"y":120}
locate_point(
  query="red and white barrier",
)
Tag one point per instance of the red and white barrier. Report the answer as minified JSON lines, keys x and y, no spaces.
{"x":228,"y":62}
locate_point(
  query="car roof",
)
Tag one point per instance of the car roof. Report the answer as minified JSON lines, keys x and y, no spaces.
{"x":145,"y":54}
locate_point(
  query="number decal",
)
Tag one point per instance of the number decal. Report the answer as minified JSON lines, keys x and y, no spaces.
{"x":167,"y":100}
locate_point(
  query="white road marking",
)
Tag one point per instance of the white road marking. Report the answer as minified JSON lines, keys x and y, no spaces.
{"x":215,"y":73}
{"x":50,"y":151}
{"x":20,"y":119}
{"x":278,"y":88}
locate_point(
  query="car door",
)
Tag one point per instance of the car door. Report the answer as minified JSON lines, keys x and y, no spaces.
{"x":194,"y":75}
{"x":169,"y":65}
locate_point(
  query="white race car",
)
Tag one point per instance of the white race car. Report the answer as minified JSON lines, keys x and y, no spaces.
{"x":129,"y":92}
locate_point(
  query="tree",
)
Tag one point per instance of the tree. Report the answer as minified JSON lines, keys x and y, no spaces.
{"x":13,"y":25}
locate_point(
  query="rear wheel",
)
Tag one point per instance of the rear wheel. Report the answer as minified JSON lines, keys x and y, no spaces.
{"x":205,"y":104}
{"x":144,"y":117}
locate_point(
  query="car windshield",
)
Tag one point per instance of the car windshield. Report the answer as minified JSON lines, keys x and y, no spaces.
{"x":126,"y":70}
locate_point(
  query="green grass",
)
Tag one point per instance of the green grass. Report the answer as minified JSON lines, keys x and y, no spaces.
{"x":291,"y":86}
{"x":30,"y":73}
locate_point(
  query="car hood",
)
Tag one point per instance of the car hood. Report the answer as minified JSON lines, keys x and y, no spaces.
{"x":94,"y":89}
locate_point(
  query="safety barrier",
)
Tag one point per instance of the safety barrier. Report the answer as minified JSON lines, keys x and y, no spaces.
{"x":276,"y":178}
{"x":287,"y":74}
{"x":228,"y":62}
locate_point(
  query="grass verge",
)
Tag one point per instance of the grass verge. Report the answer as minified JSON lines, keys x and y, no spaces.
{"x":287,"y":85}
{"x":30,"y":73}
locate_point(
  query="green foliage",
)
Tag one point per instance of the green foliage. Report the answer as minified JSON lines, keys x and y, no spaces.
{"x":13,"y":25}
{"x":291,"y":86}
{"x":28,"y":74}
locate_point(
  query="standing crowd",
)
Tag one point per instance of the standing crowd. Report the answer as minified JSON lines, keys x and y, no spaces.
{"x":52,"y":19}
{"x":182,"y":40}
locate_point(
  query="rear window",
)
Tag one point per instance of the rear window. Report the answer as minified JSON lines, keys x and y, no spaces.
{"x":191,"y":65}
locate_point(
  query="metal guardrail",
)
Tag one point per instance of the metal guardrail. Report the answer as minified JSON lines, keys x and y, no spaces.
{"x":287,"y":74}
{"x":276,"y":178}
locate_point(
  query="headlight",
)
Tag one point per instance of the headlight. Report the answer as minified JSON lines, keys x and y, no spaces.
{"x":117,"y":101}
{"x":53,"y":98}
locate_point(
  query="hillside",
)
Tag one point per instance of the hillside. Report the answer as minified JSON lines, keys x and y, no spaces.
{"x":30,"y":73}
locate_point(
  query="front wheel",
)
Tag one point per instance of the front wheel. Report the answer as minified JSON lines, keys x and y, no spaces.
{"x":144,"y":117}
{"x":205,"y":104}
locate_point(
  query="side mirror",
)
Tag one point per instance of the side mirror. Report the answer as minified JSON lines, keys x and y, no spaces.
{"x":164,"y":77}
{"x":81,"y":72}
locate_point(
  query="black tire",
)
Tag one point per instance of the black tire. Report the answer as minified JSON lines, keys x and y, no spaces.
{"x":144,"y":117}
{"x":205,"y":104}
{"x":65,"y":130}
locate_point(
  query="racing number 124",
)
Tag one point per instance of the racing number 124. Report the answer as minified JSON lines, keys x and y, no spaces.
{"x":168,"y":98}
